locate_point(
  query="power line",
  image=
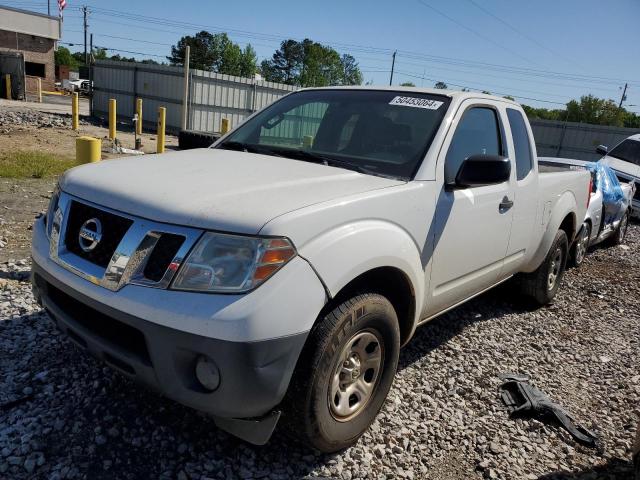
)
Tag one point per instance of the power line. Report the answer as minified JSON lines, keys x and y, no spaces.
{"x":477,"y":88}
{"x":522,"y":34}
{"x":475,"y":32}
{"x":356,"y":48}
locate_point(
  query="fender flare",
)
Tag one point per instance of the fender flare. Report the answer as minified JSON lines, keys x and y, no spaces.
{"x":566,"y":206}
{"x":344,"y":253}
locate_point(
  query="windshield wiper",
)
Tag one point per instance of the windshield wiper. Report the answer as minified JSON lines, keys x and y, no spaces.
{"x":325,"y":160}
{"x":247,"y":147}
{"x":304,"y":155}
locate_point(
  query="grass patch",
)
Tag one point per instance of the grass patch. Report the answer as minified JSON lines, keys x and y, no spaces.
{"x":32,"y":164}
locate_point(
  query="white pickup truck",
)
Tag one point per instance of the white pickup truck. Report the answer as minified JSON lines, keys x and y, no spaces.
{"x":277,"y":273}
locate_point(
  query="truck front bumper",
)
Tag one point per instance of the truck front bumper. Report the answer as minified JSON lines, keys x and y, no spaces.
{"x":250,"y":377}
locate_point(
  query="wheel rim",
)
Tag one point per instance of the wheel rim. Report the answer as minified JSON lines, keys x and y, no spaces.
{"x":554,"y":271}
{"x":623,"y":227}
{"x":356,"y":374}
{"x":583,"y":242}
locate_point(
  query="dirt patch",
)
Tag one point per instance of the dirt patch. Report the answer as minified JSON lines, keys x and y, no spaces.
{"x":20,"y":201}
{"x":62,"y":140}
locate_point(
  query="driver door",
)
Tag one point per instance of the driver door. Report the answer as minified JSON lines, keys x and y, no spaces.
{"x":473,"y":224}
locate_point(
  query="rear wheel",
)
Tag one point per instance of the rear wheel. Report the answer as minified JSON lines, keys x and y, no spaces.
{"x":344,"y":373}
{"x":542,"y":284}
{"x":581,"y":245}
{"x":620,"y":234}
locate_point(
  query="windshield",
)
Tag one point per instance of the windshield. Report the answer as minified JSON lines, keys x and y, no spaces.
{"x":374,"y":132}
{"x":628,"y":150}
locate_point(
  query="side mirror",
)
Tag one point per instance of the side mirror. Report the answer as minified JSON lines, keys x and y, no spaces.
{"x":479,"y":170}
{"x":602,"y":149}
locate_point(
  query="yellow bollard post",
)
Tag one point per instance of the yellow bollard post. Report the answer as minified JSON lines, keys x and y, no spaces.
{"x":225,"y":127}
{"x":307,"y":141}
{"x":139,"y":112}
{"x":88,"y":149}
{"x":162,"y":118}
{"x":75,"y":113}
{"x":7,"y":84}
{"x":39,"y":90}
{"x":112,"y":119}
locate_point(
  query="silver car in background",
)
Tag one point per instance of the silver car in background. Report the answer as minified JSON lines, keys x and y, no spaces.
{"x":624,"y":159}
{"x":603,"y":220}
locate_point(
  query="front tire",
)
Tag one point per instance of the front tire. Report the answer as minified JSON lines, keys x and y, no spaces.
{"x":344,"y":373}
{"x":542,"y":284}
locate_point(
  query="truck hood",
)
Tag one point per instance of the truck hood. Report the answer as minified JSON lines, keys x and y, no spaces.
{"x":214,"y":189}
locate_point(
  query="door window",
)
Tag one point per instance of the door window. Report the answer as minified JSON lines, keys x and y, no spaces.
{"x":524,"y":160}
{"x":478,"y":133}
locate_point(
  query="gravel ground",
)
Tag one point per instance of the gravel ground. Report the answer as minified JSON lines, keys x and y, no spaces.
{"x":63,"y":415}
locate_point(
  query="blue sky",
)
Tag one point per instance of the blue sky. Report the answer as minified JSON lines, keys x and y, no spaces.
{"x":569,"y":47}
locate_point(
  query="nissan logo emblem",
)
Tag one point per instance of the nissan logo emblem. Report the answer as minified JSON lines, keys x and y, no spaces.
{"x":90,"y":235}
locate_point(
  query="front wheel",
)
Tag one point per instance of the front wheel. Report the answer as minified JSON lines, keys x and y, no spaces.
{"x":542,"y":284}
{"x":580,"y":246}
{"x":344,"y":373}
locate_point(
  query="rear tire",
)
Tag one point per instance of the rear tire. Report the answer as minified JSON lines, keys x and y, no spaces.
{"x":344,"y":373}
{"x":580,"y":246}
{"x":618,"y":237}
{"x":542,"y":284}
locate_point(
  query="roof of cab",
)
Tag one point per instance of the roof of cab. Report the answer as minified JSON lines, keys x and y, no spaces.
{"x":453,"y":94}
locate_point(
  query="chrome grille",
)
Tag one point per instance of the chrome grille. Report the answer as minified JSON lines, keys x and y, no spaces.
{"x":135,"y":250}
{"x":114,"y":228}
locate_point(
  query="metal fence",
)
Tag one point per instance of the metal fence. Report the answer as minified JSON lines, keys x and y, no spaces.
{"x":575,"y":140}
{"x":212,"y":96}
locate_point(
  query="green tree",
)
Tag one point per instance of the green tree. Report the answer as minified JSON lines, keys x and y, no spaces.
{"x":441,"y":85}
{"x":100,"y":54}
{"x":486,"y":92}
{"x":214,"y":53}
{"x":407,"y":84}
{"x":248,"y":62}
{"x":591,"y":109}
{"x":509,"y":97}
{"x":285,"y":65}
{"x":310,"y":64}
{"x":63,"y":56}
{"x":352,"y":74}
{"x":203,"y":51}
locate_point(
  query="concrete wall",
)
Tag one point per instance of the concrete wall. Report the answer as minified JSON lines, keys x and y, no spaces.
{"x":575,"y":140}
{"x":36,"y":50}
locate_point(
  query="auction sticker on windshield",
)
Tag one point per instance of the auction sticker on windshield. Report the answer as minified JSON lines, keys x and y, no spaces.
{"x":416,"y":102}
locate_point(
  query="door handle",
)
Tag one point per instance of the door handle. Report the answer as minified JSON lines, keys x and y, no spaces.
{"x":505,"y":204}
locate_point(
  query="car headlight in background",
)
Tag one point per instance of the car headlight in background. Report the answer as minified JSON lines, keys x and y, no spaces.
{"x":232,"y":263}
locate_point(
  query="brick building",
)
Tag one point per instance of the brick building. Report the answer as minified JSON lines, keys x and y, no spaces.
{"x":35,"y":36}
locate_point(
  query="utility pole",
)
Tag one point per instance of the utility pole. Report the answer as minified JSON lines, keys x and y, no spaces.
{"x":623,"y":97}
{"x":185,"y":94}
{"x":84,"y":13}
{"x":91,"y":76}
{"x":393,"y":64}
{"x":49,"y":7}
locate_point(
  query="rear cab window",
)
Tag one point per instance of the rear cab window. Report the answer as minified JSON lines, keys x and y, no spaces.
{"x":521,"y":143}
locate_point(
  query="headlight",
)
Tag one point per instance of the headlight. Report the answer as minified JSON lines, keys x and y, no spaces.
{"x":232,"y":263}
{"x":53,"y":205}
